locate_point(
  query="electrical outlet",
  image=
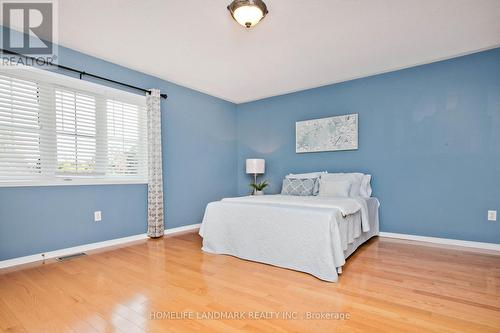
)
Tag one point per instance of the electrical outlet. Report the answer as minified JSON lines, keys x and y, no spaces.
{"x":492,"y":215}
{"x":97,"y":216}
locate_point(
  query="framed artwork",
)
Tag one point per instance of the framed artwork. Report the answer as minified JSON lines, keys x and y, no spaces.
{"x":327,"y":134}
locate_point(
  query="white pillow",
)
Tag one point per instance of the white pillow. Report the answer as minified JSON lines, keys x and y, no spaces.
{"x":366,"y":189}
{"x":355,"y":178}
{"x":339,"y":188}
{"x":305,"y":175}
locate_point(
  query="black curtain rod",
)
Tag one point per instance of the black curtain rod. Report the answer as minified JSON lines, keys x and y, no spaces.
{"x":81,"y":73}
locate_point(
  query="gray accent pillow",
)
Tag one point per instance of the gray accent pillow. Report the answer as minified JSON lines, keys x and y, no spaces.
{"x":302,"y":187}
{"x":310,"y":175}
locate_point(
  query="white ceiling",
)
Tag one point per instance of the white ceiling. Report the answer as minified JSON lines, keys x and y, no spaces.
{"x":301,"y":43}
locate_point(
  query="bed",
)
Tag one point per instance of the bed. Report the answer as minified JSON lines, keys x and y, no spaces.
{"x":310,"y":234}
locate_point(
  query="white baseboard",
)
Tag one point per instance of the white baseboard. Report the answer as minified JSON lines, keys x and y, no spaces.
{"x":443,"y":241}
{"x":192,"y":227}
{"x":184,"y":228}
{"x":88,"y":247}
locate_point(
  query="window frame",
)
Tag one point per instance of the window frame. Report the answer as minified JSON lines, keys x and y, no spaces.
{"x":102,"y":94}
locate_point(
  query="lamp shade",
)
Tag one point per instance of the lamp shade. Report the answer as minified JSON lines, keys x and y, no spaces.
{"x":256,"y":165}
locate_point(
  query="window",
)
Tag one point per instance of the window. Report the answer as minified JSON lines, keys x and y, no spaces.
{"x":76,"y":133}
{"x":124,"y":128}
{"x":55,"y":129}
{"x":19,"y":129}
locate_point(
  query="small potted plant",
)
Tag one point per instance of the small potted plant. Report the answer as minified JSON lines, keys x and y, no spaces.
{"x":258,"y":188}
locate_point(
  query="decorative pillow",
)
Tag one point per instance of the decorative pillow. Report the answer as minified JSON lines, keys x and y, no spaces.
{"x":300,"y":187}
{"x":339,"y":188}
{"x":307,"y":176}
{"x":366,"y":189}
{"x":355,"y":178}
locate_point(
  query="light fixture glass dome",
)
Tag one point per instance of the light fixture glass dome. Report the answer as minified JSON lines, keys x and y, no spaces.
{"x":248,"y":12}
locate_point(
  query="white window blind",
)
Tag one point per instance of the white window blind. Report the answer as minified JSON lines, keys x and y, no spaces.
{"x":19,"y":129}
{"x":56,"y":129}
{"x":76,"y":133}
{"x":125,"y":142}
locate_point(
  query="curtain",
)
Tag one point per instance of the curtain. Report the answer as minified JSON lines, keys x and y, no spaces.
{"x":155,"y":183}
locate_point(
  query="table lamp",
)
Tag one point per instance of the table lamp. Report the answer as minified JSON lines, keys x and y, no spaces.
{"x":256,"y":166}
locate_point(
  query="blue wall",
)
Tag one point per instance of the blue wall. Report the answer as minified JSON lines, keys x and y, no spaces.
{"x":199,"y":161}
{"x":429,"y":135}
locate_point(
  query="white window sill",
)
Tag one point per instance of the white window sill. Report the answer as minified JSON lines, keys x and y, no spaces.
{"x":70,"y":182}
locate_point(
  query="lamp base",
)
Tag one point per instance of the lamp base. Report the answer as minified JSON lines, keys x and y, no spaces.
{"x":255,"y":182}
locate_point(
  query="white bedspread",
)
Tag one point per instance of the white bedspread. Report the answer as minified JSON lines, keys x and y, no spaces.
{"x":307,"y":234}
{"x":346,"y":206}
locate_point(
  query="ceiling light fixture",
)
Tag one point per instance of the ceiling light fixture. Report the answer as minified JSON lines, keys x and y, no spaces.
{"x":248,"y":12}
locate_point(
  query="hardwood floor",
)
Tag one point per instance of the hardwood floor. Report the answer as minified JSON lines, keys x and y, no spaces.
{"x":156,"y":285}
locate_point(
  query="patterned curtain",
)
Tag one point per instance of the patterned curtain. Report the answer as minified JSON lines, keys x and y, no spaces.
{"x":155,"y":184}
